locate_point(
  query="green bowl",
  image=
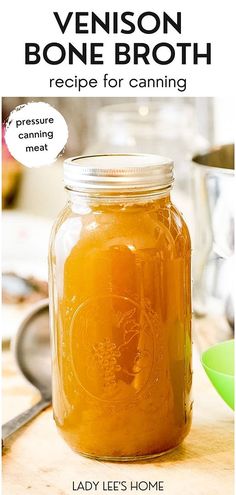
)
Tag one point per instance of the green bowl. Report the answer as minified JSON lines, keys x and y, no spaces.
{"x":218,"y":363}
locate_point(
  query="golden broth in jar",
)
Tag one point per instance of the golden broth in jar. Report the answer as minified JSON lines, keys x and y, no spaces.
{"x":121,"y":309}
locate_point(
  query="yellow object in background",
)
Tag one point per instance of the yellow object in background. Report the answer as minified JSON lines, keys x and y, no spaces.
{"x":11,"y":174}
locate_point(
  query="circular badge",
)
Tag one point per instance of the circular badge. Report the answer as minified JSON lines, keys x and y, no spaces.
{"x":112,"y":348}
{"x":36,"y":134}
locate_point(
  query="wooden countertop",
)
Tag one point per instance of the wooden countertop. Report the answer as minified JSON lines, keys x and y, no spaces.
{"x":38,"y":462}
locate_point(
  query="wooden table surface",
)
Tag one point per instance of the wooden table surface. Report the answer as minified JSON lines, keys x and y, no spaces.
{"x":37,"y":461}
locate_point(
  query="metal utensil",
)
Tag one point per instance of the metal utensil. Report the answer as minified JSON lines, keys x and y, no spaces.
{"x":214,"y":192}
{"x":32,"y":351}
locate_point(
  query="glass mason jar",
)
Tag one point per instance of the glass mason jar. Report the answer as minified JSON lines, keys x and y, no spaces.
{"x":121,"y":309}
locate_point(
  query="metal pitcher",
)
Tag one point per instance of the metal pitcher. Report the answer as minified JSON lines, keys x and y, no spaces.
{"x":214,"y":193}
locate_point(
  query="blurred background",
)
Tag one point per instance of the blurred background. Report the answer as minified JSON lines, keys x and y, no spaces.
{"x":176,"y":127}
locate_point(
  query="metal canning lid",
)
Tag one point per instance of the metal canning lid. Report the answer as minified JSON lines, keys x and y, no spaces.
{"x":118,"y":173}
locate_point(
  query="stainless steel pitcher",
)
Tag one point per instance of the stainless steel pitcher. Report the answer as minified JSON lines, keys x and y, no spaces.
{"x":214,"y":193}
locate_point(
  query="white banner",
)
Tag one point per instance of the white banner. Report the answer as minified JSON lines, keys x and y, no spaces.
{"x":124,"y":48}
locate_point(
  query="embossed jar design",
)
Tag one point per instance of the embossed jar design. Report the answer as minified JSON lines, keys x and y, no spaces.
{"x":120,"y":303}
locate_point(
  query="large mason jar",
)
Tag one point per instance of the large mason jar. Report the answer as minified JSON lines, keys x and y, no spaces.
{"x":121,"y":309}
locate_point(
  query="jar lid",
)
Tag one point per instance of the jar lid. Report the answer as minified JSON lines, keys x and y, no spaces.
{"x":118,"y":173}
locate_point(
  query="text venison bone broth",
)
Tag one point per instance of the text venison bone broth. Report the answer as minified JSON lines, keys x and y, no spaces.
{"x":125,"y":23}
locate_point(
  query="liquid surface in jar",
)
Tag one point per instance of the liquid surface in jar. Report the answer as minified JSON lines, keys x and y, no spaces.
{"x":121,"y":328}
